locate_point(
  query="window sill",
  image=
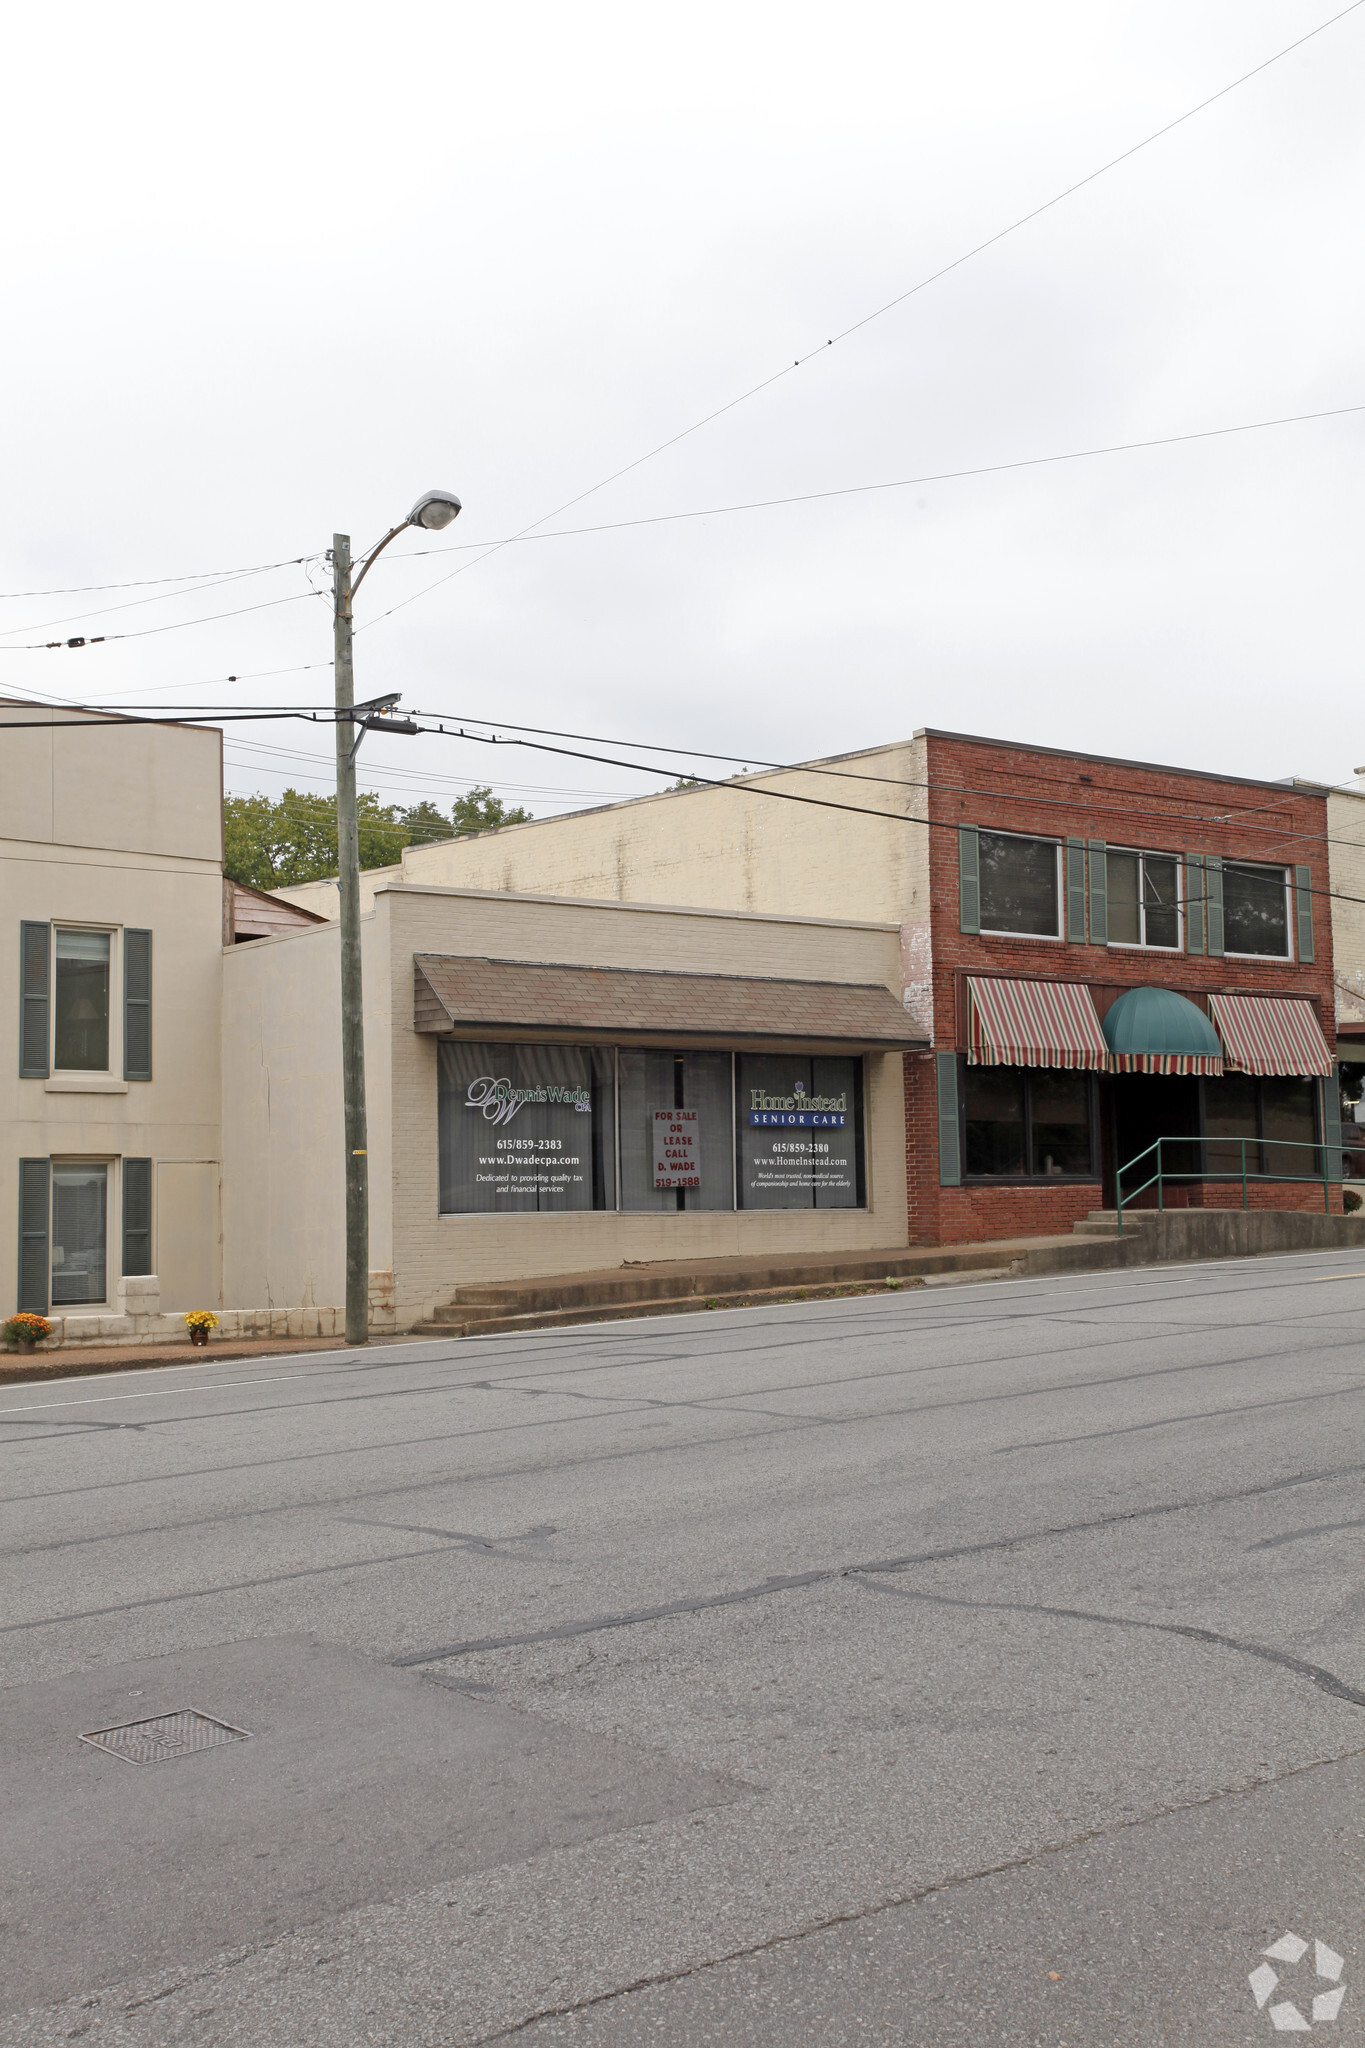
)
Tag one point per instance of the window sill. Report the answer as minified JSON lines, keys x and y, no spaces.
{"x":1046,"y":938}
{"x":1269,"y":959}
{"x":84,"y":1084}
{"x":1136,"y":946}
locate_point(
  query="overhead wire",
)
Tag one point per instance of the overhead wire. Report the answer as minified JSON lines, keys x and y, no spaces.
{"x":105,"y":611}
{"x":888,"y":305}
{"x":941,"y":476}
{"x":144,"y":632}
{"x":141,"y":582}
{"x":794,"y":796}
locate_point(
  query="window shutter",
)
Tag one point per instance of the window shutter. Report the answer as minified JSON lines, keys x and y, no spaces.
{"x":1331,"y":1122}
{"x":968,"y":879}
{"x":34,"y":1182}
{"x":137,"y":1216}
{"x":1194,"y":902}
{"x":1213,"y":873}
{"x":137,"y":1006}
{"x":1099,"y":893}
{"x":949,"y":1138}
{"x":1075,"y":891}
{"x":35,"y":944}
{"x":1303,"y":908}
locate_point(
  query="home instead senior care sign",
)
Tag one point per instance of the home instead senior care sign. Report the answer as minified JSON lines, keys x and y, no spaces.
{"x":799,"y":1145}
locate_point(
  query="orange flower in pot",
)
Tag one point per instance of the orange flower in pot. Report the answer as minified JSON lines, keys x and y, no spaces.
{"x":24,"y":1331}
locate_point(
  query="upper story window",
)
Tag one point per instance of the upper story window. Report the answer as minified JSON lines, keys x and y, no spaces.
{"x":85,"y":1004}
{"x":1256,"y":910}
{"x":1144,"y":899}
{"x":1021,"y":884}
{"x":80,"y":1001}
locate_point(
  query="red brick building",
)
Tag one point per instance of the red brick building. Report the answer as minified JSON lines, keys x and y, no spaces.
{"x":1059,"y":884}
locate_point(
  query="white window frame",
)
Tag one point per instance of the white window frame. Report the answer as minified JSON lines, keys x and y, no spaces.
{"x":1287,"y":879}
{"x":990,"y":931}
{"x":1143,"y":853}
{"x":89,"y":1077}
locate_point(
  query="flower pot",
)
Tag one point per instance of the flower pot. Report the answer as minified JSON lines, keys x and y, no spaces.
{"x":199,"y":1337}
{"x":26,"y":1344}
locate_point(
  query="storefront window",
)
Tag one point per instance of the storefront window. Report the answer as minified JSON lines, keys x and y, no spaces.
{"x":1231,"y":1113}
{"x":525,"y":1128}
{"x":995,"y":1120}
{"x":677,"y":1148}
{"x":1287,"y":1112}
{"x":1022,"y":1121}
{"x":1059,"y":1124}
{"x":800,"y":1132}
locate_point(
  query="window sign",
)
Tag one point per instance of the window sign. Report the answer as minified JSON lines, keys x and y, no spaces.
{"x":525,"y":1128}
{"x":677,"y":1149}
{"x":800,"y":1132}
{"x":696,"y":1081}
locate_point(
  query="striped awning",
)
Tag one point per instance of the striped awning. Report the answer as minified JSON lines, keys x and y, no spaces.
{"x":1270,"y":1034}
{"x":1033,"y":1024}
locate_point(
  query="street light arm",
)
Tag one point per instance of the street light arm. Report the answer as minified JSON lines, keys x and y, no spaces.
{"x":376,"y":552}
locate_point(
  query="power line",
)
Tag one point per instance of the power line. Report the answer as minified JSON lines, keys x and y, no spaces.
{"x":890,"y":304}
{"x":141,"y":582}
{"x":143,"y":632}
{"x":942,"y":476}
{"x":105,"y":611}
{"x":830,"y":803}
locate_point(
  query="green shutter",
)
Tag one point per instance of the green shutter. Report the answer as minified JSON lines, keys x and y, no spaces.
{"x":35,"y":942}
{"x":1099,"y":893}
{"x":968,"y":879}
{"x":137,"y":1216}
{"x":1075,"y":891}
{"x":1213,"y":872}
{"x":949,"y":1138}
{"x":1194,"y":902}
{"x":137,"y":1006}
{"x":1331,"y":1122}
{"x":1303,"y":908}
{"x":34,"y":1183}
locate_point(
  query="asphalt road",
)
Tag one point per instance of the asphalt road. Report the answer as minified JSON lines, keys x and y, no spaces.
{"x":976,"y":1665}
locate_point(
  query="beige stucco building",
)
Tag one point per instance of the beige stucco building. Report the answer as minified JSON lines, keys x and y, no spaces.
{"x":110,"y":1001}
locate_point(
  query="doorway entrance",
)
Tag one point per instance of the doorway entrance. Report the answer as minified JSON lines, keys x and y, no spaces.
{"x":1151,"y":1106}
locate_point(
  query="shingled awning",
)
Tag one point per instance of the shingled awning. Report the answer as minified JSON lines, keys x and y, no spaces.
{"x":461,"y":997}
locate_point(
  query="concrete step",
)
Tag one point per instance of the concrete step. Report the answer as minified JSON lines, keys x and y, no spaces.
{"x":625,"y":1286}
{"x":450,"y":1323}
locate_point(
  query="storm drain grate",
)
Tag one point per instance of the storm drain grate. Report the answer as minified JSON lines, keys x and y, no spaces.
{"x":165,"y":1736}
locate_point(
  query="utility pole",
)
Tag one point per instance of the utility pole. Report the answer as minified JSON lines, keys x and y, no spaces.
{"x":433,"y":511}
{"x":352,"y":997}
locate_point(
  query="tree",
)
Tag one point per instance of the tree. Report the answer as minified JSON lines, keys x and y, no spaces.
{"x":275,"y":843}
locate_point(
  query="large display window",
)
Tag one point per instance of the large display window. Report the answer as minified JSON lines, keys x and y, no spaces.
{"x":525,"y":1128}
{"x":545,"y":1129}
{"x":799,"y":1135}
{"x":677,"y":1117}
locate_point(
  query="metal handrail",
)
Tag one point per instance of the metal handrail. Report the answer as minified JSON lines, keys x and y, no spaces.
{"x":1163,"y":1174}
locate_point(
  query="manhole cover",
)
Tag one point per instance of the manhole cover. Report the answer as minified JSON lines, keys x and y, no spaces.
{"x":167,"y":1735}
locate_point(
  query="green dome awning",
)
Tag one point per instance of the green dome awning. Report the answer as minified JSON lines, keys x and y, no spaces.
{"x":1155,"y":1031}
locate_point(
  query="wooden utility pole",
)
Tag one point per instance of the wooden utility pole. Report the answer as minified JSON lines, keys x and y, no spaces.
{"x":352,"y":997}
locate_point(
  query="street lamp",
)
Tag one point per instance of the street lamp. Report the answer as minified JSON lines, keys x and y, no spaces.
{"x":432,"y":511}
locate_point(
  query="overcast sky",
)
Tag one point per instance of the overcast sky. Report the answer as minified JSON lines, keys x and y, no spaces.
{"x":271,"y":271}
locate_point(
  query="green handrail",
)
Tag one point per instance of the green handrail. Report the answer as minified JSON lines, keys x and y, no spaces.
{"x":1162,"y":1173}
